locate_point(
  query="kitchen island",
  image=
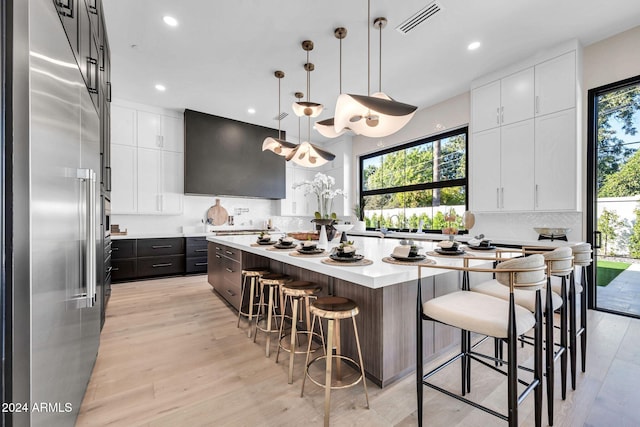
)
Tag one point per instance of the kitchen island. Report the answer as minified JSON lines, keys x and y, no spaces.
{"x":385,"y":294}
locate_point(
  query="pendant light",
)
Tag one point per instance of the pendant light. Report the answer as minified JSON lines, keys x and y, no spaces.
{"x":278,"y":145}
{"x":376,"y":115}
{"x":307,"y":108}
{"x":306,"y":154}
{"x":326,"y":127}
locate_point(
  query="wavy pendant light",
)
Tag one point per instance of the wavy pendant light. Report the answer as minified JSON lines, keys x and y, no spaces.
{"x":306,"y":154}
{"x":307,"y":108}
{"x":326,"y":127}
{"x":376,"y":115}
{"x":278,"y":145}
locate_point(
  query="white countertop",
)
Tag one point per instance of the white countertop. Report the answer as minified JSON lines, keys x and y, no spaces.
{"x":376,"y":275}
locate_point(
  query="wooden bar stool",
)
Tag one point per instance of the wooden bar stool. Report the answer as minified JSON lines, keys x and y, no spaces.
{"x":581,"y":259}
{"x":295,"y":293}
{"x":253,"y":274}
{"x":273,"y":281}
{"x":334,"y":309}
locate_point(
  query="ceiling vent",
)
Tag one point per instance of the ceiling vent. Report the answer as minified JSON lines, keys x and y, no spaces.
{"x":281,"y":116}
{"x":419,"y":17}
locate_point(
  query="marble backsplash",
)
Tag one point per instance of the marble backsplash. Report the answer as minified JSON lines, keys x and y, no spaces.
{"x":519,"y":226}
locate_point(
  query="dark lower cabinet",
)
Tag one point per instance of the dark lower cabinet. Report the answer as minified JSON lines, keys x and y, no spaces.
{"x":133,"y":259}
{"x":196,"y":255}
{"x":225,"y":274}
{"x":166,"y":265}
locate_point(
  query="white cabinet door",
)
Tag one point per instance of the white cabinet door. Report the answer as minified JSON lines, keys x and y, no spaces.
{"x":172,"y":183}
{"x":149,"y":184}
{"x":173,"y":134}
{"x":149,"y":130}
{"x":124,"y":190}
{"x":556,"y":173}
{"x":484,"y":170}
{"x":123,"y":125}
{"x":517,"y":168}
{"x":556,"y":84}
{"x":516,"y":95}
{"x":485,"y":107}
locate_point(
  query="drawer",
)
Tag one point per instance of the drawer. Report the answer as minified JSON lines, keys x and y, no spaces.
{"x":196,"y":264}
{"x":230,"y":291}
{"x":123,"y":269}
{"x":232,"y":253}
{"x":157,"y":247}
{"x":196,"y":242}
{"x":196,"y":251}
{"x":231,"y":270}
{"x":123,"y":248}
{"x":161,"y":265}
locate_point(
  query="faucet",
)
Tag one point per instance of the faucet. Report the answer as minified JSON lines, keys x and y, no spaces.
{"x":398,"y":217}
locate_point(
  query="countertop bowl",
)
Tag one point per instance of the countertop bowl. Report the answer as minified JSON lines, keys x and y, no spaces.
{"x":552,"y":231}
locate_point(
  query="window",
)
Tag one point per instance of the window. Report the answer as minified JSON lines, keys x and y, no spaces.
{"x":416,"y":183}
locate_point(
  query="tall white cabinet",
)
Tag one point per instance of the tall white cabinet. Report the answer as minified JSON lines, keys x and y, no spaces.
{"x":524,"y":148}
{"x":148,"y":165}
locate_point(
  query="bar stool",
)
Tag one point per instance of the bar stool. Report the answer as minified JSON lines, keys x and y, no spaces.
{"x":273,"y":281}
{"x":582,"y":259}
{"x":295,"y":293}
{"x":253,"y":274}
{"x":334,"y":309}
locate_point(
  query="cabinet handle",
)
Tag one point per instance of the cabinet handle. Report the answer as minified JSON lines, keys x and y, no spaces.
{"x":501,"y":114}
{"x":91,"y":5}
{"x":598,"y":240}
{"x":65,"y":7}
{"x":536,"y":195}
{"x":108,"y":91}
{"x":92,"y":74}
{"x":502,"y":197}
{"x":162,"y":203}
{"x":218,"y":256}
{"x":498,"y":115}
{"x":537,"y":104}
{"x":230,"y":293}
{"x":497,"y":198}
{"x":159,"y":140}
{"x":164,"y":264}
{"x":229,"y":270}
{"x":200,"y":264}
{"x":229,"y":252}
{"x":161,"y":246}
{"x":101,"y":57}
{"x":115,"y":269}
{"x":201,"y":250}
{"x":115,"y":248}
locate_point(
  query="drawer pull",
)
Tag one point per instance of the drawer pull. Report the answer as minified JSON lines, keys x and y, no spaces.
{"x":231,"y":293}
{"x":110,"y":269}
{"x":115,"y":248}
{"x":201,"y":250}
{"x":229,"y":252}
{"x":161,"y":247}
{"x":218,"y":256}
{"x":164,"y":264}
{"x":217,"y":248}
{"x":115,"y":269}
{"x":229,"y":270}
{"x":110,"y":251}
{"x":200,"y":264}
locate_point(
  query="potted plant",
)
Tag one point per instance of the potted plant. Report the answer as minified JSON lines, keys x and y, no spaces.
{"x":322,"y":186}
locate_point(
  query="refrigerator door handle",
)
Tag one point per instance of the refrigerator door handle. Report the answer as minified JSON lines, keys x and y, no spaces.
{"x":88,"y":299}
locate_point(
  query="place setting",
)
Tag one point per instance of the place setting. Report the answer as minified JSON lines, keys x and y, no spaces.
{"x":264,"y":239}
{"x":308,"y":248}
{"x":346,"y":255}
{"x":448,"y":248}
{"x":407,"y":254}
{"x":479,"y":243}
{"x":284,"y":243}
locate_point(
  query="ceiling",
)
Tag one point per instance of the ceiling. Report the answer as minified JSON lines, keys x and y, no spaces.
{"x":221,"y":57}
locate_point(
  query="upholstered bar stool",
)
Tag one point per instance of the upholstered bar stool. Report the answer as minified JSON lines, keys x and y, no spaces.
{"x":333,"y":309}
{"x":297,"y":293}
{"x":581,"y":259}
{"x":250,"y":275}
{"x":272,"y":282}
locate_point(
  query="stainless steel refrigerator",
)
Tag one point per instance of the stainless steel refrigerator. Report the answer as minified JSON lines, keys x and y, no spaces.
{"x":54,"y":223}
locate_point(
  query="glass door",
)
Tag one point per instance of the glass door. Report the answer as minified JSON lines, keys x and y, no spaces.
{"x":614,"y":202}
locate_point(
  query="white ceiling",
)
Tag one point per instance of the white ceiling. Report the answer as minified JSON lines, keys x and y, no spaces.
{"x":221,"y":57}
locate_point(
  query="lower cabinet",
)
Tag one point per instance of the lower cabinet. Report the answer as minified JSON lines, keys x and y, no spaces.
{"x":225,"y":273}
{"x":143,"y":258}
{"x":196,"y":255}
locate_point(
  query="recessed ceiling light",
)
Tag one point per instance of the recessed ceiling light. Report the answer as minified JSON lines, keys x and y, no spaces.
{"x":473,"y":46}
{"x":161,"y":88}
{"x":170,"y":21}
{"x":251,"y":110}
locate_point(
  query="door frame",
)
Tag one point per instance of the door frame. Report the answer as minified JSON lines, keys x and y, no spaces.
{"x":591,"y":191}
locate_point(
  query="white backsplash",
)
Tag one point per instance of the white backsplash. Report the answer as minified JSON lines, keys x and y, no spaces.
{"x":519,"y":226}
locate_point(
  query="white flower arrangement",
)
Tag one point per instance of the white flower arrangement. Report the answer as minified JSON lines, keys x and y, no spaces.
{"x":322,"y":187}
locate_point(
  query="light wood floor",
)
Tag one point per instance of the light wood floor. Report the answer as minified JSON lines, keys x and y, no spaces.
{"x":171,"y":355}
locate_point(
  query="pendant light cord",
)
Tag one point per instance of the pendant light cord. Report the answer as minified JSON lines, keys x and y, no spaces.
{"x":380,"y":59}
{"x":340,"y":67}
{"x":279,"y":111}
{"x":308,"y":78}
{"x":368,"y":48}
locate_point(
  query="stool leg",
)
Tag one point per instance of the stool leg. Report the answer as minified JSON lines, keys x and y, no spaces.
{"x":252,"y":296}
{"x":563,"y":338}
{"x":269,"y":319}
{"x":260,"y":311}
{"x":572,"y":329}
{"x":336,"y":339}
{"x":583,"y":317}
{"x":327,"y":384}
{"x":364,"y":378}
{"x":293,"y":338}
{"x":244,"y":283}
{"x":281,"y":328}
{"x":549,"y":351}
{"x":306,"y":361}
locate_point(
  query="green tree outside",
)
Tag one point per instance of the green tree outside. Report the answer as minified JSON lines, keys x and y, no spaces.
{"x":608,"y":225}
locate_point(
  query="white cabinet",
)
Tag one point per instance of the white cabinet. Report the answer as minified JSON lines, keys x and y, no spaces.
{"x":159,"y":131}
{"x":123,"y":125}
{"x":500,"y":180}
{"x":124,"y":187}
{"x":504,"y":101}
{"x":556,"y":84}
{"x":556,"y":174}
{"x":296,"y":203}
{"x":160,"y":182}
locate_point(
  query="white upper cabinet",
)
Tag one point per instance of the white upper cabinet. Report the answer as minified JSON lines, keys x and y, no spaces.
{"x":124,"y":184}
{"x":123,"y":125}
{"x":149,"y":181}
{"x":160,"y":132}
{"x":485,"y":107}
{"x":484,"y":170}
{"x":517,"y":97}
{"x":556,"y":84}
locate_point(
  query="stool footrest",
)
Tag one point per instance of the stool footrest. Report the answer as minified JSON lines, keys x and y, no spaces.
{"x":355,"y":366}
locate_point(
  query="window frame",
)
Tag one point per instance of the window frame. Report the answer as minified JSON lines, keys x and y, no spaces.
{"x":423,"y":186}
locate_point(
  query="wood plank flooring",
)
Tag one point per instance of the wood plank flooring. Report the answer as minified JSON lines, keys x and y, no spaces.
{"x":171,"y":355}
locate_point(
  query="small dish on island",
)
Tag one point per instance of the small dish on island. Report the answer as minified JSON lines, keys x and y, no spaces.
{"x":286,"y":241}
{"x":346,"y":250}
{"x":309,"y":246}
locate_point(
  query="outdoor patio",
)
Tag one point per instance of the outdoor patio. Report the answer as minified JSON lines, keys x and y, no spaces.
{"x":623,"y":293}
